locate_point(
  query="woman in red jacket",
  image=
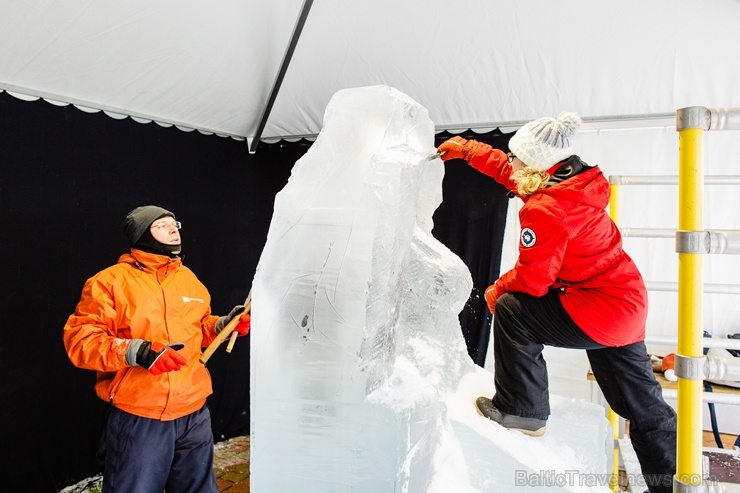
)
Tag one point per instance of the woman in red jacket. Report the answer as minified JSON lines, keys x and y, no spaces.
{"x":573,"y":286}
{"x":141,"y":324}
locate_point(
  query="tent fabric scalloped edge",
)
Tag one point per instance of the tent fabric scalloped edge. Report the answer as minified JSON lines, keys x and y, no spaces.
{"x":116,"y":115}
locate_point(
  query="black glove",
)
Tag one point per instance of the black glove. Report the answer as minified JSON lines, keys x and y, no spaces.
{"x":224,"y":321}
{"x":159,"y":358}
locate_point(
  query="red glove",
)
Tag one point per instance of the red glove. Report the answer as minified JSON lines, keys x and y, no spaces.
{"x":492,"y":294}
{"x":245,"y":323}
{"x":457,"y":148}
{"x":222,"y":322}
{"x":159,"y":358}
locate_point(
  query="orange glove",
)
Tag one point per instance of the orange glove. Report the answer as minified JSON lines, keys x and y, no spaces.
{"x":245,"y":323}
{"x":457,"y":148}
{"x":668,"y":366}
{"x":492,"y":294}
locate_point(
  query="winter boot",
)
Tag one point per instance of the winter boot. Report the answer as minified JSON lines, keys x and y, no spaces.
{"x":529,"y":426}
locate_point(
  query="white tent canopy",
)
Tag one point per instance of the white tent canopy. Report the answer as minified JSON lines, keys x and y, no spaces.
{"x":214,"y":66}
{"x":476,"y":63}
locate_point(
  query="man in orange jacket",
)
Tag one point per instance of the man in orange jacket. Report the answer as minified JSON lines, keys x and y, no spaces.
{"x":141,"y":325}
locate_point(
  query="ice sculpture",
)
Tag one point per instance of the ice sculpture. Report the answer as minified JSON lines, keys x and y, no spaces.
{"x":360,"y":379}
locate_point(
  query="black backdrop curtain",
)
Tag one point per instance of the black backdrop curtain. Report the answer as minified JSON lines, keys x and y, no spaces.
{"x":67,"y":179}
{"x":470,"y":222}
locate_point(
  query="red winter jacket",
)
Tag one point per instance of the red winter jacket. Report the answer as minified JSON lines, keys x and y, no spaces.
{"x":150,"y":297}
{"x":569,"y":242}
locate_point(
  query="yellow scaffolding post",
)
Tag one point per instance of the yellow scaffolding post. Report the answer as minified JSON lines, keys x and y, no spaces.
{"x":614,"y":417}
{"x":614,"y":479}
{"x":690,"y":291}
{"x":614,"y":203}
{"x":691,"y":243}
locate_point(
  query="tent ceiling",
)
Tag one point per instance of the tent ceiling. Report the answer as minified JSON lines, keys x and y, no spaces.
{"x":211,"y":66}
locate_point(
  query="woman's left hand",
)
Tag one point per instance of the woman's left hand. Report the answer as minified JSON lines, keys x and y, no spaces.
{"x":492,"y":294}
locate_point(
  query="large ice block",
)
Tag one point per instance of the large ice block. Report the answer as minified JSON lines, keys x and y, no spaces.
{"x":360,"y":378}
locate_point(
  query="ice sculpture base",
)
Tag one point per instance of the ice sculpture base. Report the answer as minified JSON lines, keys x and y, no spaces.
{"x":478,"y":455}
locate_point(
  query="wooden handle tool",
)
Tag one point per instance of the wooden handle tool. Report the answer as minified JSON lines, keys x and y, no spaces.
{"x":226,"y":332}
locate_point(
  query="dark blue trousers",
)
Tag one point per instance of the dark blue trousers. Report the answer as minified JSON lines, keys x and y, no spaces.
{"x":524,"y":324}
{"x":143,"y":455}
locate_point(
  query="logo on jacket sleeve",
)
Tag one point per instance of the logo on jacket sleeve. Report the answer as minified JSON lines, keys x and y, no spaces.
{"x":528,"y":238}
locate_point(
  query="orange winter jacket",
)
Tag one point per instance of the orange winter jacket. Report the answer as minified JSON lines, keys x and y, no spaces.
{"x":150,"y":297}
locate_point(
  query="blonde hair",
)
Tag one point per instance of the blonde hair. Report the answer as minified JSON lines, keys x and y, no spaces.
{"x":529,"y":180}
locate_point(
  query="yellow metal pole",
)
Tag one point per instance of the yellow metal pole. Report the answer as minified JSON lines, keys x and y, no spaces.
{"x":614,"y":480}
{"x":614,"y":417}
{"x":690,"y":292}
{"x":614,"y":203}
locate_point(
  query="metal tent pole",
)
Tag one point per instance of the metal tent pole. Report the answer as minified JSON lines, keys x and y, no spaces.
{"x":280,"y":75}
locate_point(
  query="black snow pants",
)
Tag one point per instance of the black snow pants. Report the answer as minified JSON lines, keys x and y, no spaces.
{"x":523,"y":324}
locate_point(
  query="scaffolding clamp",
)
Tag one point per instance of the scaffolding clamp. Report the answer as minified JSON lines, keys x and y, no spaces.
{"x":692,"y":242}
{"x":714,"y":242}
{"x":681,"y":487}
{"x":690,"y":368}
{"x":707,"y":118}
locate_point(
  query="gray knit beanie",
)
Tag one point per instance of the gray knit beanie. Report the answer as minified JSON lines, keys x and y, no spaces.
{"x":138,"y":220}
{"x":542,"y":143}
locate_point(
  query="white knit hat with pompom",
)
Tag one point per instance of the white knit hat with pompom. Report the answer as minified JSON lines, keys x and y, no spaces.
{"x":544,"y":142}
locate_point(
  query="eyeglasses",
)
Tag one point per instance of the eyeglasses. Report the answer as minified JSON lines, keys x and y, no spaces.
{"x":173,"y":224}
{"x":510,"y":157}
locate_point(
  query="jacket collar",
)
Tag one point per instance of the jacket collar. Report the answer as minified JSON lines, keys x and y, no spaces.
{"x":565,"y":169}
{"x":145,"y":261}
